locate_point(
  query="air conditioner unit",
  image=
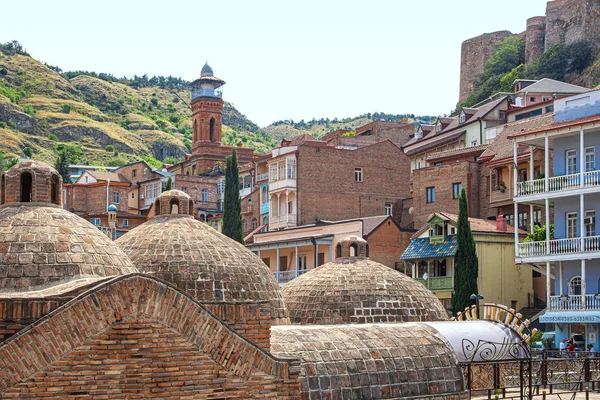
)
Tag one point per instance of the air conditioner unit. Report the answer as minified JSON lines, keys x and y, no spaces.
{"x":142,"y":196}
{"x":589,"y":220}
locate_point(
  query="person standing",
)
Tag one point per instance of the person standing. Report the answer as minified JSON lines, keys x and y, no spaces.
{"x":591,"y":351}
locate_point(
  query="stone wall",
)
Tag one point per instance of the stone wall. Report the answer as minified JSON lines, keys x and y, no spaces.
{"x":570,"y":21}
{"x":327,"y":187}
{"x":474,"y":54}
{"x":535,"y":38}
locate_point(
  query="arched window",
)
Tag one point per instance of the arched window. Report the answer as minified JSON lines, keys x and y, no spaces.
{"x":26,"y":183}
{"x":212,"y":129}
{"x":195,"y":138}
{"x":3,"y":189}
{"x":421,"y":269}
{"x":254,"y":223}
{"x":157,"y":207}
{"x":338,"y":250}
{"x":575,"y":286}
{"x":353,"y":250}
{"x":244,"y":226}
{"x":55,"y":189}
{"x":174,"y":206}
{"x":191,"y":208}
{"x":367,"y":250}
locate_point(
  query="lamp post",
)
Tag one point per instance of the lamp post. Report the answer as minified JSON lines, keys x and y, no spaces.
{"x":476,"y":297}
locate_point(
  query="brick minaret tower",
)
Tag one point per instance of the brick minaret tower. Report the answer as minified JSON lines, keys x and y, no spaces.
{"x":207,"y":109}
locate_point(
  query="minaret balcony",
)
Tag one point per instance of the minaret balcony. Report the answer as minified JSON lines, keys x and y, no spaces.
{"x":197,"y":92}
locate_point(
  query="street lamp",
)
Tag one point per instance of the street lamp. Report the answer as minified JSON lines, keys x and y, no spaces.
{"x":476,"y":297}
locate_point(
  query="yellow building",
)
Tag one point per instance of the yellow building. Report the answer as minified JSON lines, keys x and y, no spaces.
{"x":430,"y":259}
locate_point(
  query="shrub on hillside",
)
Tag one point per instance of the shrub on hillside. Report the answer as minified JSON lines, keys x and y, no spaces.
{"x":66,"y":108}
{"x":28,"y":151}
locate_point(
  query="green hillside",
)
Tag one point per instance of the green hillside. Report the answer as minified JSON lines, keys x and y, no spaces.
{"x":42,"y":110}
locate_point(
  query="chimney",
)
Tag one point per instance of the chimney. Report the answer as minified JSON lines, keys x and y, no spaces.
{"x":501,"y":223}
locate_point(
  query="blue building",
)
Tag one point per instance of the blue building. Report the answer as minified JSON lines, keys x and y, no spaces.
{"x":571,"y":259}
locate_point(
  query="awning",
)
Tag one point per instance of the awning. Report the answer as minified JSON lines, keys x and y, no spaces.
{"x":570,"y":317}
{"x":478,"y":341}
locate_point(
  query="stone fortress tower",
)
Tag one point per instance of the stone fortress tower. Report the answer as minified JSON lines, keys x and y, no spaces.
{"x":565,"y":22}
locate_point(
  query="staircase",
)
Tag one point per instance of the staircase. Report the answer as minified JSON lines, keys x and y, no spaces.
{"x":533,"y":311}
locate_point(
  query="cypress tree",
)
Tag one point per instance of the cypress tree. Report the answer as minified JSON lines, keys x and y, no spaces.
{"x":62,"y":166}
{"x":232,"y":217}
{"x":169,"y":185}
{"x":466,"y":265}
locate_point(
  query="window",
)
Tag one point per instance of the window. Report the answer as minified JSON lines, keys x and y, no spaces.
{"x":133,"y":195}
{"x":523,"y":220}
{"x":590,"y":223}
{"x":184,"y":189}
{"x":204,"y":194}
{"x":302,"y":262}
{"x":95,"y":221}
{"x":152,"y":190}
{"x":462,"y":117}
{"x":418,"y":164}
{"x":134,"y":172}
{"x":125,"y":222}
{"x":438,"y":127}
{"x":431,"y":195}
{"x":502,"y":114}
{"x":221,"y":187}
{"x":438,"y":164}
{"x":474,"y":142}
{"x":537,"y":217}
{"x":281,"y":166}
{"x":273,"y":172}
{"x":590,"y":159}
{"x":388,"y":209}
{"x":291,"y":168}
{"x":532,"y":99}
{"x":116,"y":197}
{"x":290,"y":207}
{"x":510,"y":219}
{"x":494,"y":180}
{"x":26,"y":187}
{"x":571,"y":161}
{"x":575,"y":286}
{"x":571,"y":225}
{"x":456,"y":190}
{"x":452,"y":230}
{"x":358,"y":175}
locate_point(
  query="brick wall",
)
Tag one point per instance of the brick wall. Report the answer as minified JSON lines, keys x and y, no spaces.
{"x":44,"y":183}
{"x":138,"y":337}
{"x":327,"y":188}
{"x":442,"y":179}
{"x":193,"y":186}
{"x":250,"y":320}
{"x":143,"y":172}
{"x":251,"y":210}
{"x":387,"y":243}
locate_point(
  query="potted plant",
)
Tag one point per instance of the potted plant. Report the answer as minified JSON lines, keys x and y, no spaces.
{"x":501,"y":186}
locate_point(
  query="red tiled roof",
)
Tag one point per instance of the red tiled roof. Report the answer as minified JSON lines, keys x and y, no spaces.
{"x":558,"y":125}
{"x":502,"y":148}
{"x":105,"y":176}
{"x":462,"y":151}
{"x":478,"y":225}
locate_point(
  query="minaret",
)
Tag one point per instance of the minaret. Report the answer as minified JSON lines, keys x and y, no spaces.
{"x":112,"y":222}
{"x":207,"y":109}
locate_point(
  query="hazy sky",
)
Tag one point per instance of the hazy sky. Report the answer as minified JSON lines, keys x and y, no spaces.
{"x":281,"y":59}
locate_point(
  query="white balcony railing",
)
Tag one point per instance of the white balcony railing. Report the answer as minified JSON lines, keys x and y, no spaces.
{"x":574,"y":303}
{"x":262,"y":177}
{"x":283,"y":183}
{"x":245,"y":191}
{"x":559,"y":247}
{"x":282,"y":221}
{"x":559,"y":183}
{"x":284,"y":277}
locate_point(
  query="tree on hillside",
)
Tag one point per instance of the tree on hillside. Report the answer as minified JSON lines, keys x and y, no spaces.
{"x":232,"y":217}
{"x":466,"y":265}
{"x":62,"y":166}
{"x":169,"y":185}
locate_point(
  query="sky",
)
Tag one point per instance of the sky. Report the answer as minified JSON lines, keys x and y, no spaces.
{"x":281,"y":59}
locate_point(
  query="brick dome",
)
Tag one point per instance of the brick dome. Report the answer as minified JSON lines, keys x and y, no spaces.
{"x":358,"y":290}
{"x":173,"y":202}
{"x":40,"y":243}
{"x":204,"y":263}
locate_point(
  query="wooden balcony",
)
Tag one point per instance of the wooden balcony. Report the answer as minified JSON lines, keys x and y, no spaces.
{"x":438,"y":283}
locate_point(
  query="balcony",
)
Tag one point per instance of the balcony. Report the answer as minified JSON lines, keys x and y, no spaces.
{"x":284,"y":277}
{"x":196,"y":92}
{"x":499,"y":196}
{"x":282,"y":221}
{"x":438,"y":283}
{"x":559,"y":184}
{"x":247,"y":209}
{"x":559,"y":247}
{"x":245,"y":191}
{"x":574,"y":303}
{"x":282,"y":184}
{"x":262,"y":177}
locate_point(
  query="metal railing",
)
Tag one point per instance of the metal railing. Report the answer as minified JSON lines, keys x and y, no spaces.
{"x":559,"y":183}
{"x":559,"y":246}
{"x":284,"y":277}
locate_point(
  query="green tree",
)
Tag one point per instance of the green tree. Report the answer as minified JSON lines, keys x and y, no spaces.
{"x":539,"y":234}
{"x":169,"y":185}
{"x":232,"y":217}
{"x":466,"y":265}
{"x":62,"y":166}
{"x":28,"y":151}
{"x":6,"y":163}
